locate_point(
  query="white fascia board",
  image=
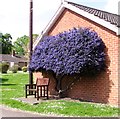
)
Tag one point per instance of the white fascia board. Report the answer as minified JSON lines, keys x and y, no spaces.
{"x":54,"y":19}
{"x":93,"y":18}
{"x":37,"y":41}
{"x":118,"y":32}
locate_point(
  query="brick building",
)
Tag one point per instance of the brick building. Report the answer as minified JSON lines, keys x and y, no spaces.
{"x":105,"y":87}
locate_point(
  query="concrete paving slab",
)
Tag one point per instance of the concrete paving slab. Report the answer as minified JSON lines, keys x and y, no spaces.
{"x":31,"y":100}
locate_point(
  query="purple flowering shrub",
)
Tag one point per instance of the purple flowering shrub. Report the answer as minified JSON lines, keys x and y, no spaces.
{"x":77,"y":51}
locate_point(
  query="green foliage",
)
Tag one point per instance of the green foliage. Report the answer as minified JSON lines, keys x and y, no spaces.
{"x":35,"y":36}
{"x":21,"y":45}
{"x":5,"y":43}
{"x":14,"y":68}
{"x":24,"y":69}
{"x":4,"y":66}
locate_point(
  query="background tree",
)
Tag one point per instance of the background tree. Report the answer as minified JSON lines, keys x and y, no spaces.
{"x":5,"y":43}
{"x":21,"y":45}
{"x":35,"y":36}
{"x":78,"y":51}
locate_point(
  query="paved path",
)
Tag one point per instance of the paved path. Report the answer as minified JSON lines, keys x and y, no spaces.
{"x":10,"y":112}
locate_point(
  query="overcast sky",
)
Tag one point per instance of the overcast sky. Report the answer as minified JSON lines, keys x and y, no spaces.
{"x":14,"y":14}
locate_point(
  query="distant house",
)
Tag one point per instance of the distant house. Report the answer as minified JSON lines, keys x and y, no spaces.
{"x":13,"y":60}
{"x":104,"y":88}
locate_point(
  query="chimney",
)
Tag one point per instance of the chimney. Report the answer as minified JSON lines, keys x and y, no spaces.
{"x":13,"y":53}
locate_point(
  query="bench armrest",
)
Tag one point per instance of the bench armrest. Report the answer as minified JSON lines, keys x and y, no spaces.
{"x":41,"y":85}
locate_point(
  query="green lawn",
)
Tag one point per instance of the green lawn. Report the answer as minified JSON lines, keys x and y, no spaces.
{"x":13,"y":87}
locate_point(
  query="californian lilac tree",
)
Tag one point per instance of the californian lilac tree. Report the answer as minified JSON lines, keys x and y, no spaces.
{"x":77,"y":51}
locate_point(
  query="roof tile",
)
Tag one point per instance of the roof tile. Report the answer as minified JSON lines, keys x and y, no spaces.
{"x":109,"y":17}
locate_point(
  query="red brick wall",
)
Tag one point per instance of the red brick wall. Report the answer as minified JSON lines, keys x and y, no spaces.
{"x":119,"y":72}
{"x":104,"y":88}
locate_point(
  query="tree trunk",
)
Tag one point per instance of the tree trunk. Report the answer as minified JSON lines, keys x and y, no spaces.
{"x":56,"y":80}
{"x":58,"y":86}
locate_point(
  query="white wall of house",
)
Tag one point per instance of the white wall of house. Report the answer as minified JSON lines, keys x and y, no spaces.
{"x":12,"y":64}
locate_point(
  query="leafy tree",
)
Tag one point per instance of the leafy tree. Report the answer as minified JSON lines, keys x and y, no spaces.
{"x":35,"y":36}
{"x":77,"y":51}
{"x":5,"y":43}
{"x":21,"y":45}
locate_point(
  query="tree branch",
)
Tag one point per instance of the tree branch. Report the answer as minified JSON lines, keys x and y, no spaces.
{"x":70,"y":84}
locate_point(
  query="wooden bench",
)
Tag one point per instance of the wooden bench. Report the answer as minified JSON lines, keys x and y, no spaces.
{"x":40,"y":89}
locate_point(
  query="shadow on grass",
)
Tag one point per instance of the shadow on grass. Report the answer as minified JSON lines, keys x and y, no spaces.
{"x":7,"y":84}
{"x":2,"y":80}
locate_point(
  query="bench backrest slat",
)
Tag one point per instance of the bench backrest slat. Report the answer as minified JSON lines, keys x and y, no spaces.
{"x":42,"y":81}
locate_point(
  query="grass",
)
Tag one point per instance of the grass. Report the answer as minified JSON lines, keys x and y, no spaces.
{"x":13,"y":87}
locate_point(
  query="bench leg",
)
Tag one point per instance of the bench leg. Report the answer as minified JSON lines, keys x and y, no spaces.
{"x":37,"y":94}
{"x":26,"y":93}
{"x":47,"y":92}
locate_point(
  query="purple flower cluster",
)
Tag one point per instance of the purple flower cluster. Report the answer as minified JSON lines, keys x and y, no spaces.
{"x":77,"y":51}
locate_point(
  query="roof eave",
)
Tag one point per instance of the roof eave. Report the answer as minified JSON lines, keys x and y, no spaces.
{"x":118,"y":31}
{"x":81,"y":12}
{"x":93,"y":18}
{"x":54,"y":19}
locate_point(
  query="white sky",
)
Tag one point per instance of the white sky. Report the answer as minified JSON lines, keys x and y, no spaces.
{"x":14,"y":14}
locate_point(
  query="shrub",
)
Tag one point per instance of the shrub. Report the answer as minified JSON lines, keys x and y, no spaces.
{"x":19,"y":68}
{"x":77,"y":51}
{"x":4,"y":66}
{"x":24,"y":69}
{"x":14,"y":68}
